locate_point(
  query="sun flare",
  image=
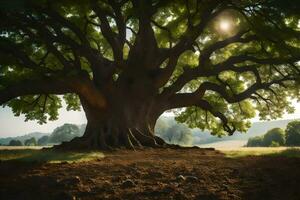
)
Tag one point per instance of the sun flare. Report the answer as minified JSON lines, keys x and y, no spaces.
{"x":225,"y":25}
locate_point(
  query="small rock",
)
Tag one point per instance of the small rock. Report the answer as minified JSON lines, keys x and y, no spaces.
{"x":92,"y":181}
{"x":128,"y":183}
{"x":226,"y":187}
{"x":191,"y":178}
{"x":187,"y":178}
{"x":106,"y":184}
{"x":180,"y":178}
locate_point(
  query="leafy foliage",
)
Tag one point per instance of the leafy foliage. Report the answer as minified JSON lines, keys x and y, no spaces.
{"x":275,"y":135}
{"x":171,"y":53}
{"x":255,"y":142}
{"x":273,"y":138}
{"x":173,"y":132}
{"x":43,"y":140}
{"x":37,"y":107}
{"x":30,"y":142}
{"x":15,"y":143}
{"x":293,"y":134}
{"x":64,"y":133}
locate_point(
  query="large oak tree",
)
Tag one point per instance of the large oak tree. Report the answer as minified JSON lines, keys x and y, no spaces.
{"x":126,"y":62}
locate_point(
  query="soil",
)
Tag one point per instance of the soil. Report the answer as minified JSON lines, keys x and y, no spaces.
{"x":155,"y":174}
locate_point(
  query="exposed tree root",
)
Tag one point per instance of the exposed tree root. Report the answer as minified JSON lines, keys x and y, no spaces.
{"x":108,"y":138}
{"x":106,"y":141}
{"x":83,"y":144}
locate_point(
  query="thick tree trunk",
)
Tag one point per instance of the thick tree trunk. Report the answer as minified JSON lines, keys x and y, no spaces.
{"x":123,"y":115}
{"x":118,"y":126}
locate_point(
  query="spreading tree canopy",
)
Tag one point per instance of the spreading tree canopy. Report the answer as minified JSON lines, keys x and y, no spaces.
{"x":127,"y":61}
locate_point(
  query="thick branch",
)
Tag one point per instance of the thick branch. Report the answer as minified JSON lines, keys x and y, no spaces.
{"x":205,"y":105}
{"x":193,"y":32}
{"x":36,"y":87}
{"x":228,"y":65}
{"x":80,"y":85}
{"x":101,"y":67}
{"x":206,"y":53}
{"x":191,"y":99}
{"x":116,"y":41}
{"x":8,"y":47}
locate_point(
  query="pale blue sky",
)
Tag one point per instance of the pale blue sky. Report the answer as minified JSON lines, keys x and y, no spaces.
{"x":14,"y":126}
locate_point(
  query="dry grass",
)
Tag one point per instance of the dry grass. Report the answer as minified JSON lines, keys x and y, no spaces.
{"x":20,"y":147}
{"x":262,"y":151}
{"x":35,"y":154}
{"x":20,"y":154}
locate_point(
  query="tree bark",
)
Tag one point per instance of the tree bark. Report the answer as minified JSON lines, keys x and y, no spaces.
{"x":123,"y":124}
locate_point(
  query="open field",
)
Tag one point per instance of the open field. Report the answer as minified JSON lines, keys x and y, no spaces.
{"x":47,"y":156}
{"x":20,"y":147}
{"x":150,"y":174}
{"x":235,"y":148}
{"x":225,"y":144}
{"x":262,"y":151}
{"x":31,"y":153}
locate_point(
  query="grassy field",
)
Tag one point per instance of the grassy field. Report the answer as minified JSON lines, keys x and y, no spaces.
{"x":235,"y":148}
{"x":21,"y":147}
{"x":261,"y":151}
{"x":230,"y":144}
{"x":36,"y":154}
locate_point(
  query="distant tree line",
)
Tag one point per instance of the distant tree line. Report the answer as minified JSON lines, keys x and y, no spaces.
{"x":61,"y":134}
{"x":278,"y":137}
{"x":15,"y":143}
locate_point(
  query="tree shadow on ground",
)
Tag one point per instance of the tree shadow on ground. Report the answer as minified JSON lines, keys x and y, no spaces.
{"x":291,"y":152}
{"x":273,"y":176}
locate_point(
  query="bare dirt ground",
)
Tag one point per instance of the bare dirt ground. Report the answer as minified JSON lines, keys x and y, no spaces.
{"x":155,"y":174}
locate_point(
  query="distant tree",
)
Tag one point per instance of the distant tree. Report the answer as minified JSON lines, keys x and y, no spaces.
{"x":255,"y":142}
{"x":174,"y":133}
{"x":274,"y":135}
{"x":15,"y":143}
{"x":162,"y":125}
{"x":180,"y":134}
{"x":293,"y":134}
{"x":30,"y":142}
{"x":274,"y":144}
{"x":64,"y":133}
{"x":43,"y":140}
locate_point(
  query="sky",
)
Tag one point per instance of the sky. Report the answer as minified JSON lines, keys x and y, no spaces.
{"x":15,"y":126}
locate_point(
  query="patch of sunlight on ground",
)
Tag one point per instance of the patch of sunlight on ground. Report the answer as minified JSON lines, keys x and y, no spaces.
{"x":22,"y":147}
{"x":262,"y":151}
{"x":48,"y":156}
{"x":225,"y":144}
